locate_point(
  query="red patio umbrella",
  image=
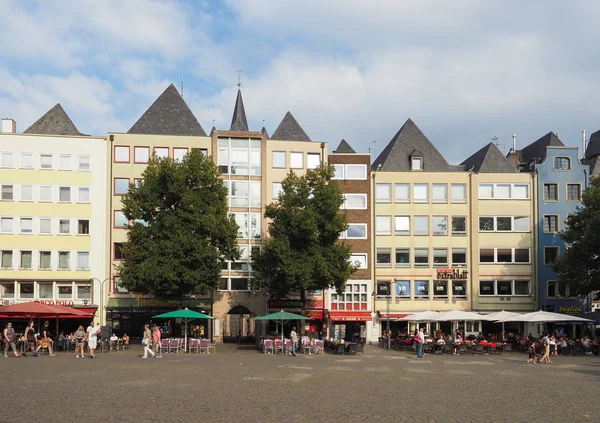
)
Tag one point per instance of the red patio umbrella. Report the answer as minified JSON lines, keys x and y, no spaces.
{"x":39,"y":310}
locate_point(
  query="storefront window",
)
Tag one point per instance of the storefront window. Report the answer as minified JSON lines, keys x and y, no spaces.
{"x":440,"y":289}
{"x":45,"y":290}
{"x":486,"y":287}
{"x":459,"y":289}
{"x":421,"y":289}
{"x":65,"y":292}
{"x":7,"y":290}
{"x":403,"y":289}
{"x":383,"y":288}
{"x":26,"y":290}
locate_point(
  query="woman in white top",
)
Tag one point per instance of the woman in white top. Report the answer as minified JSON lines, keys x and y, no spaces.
{"x":92,"y":338}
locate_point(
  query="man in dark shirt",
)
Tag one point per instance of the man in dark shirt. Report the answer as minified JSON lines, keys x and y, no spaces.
{"x":45,"y":338}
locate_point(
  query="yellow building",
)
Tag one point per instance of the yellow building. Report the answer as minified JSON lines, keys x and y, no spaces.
{"x":53,"y":216}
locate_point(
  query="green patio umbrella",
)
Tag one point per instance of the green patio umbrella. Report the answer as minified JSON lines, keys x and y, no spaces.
{"x":282,"y":317}
{"x":187,"y":315}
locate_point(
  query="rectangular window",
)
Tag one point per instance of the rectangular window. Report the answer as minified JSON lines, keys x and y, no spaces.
{"x":504,"y":224}
{"x":504,"y":287}
{"x":573,"y":192}
{"x":64,"y":260}
{"x":486,"y":191}
{"x":421,"y":225}
{"x":26,"y":161}
{"x":520,"y":192}
{"x":459,"y":257}
{"x":502,"y":191}
{"x":402,"y":289}
{"x":64,"y":162}
{"x":255,"y":193}
{"x":296,"y":160}
{"x":7,"y":290}
{"x":45,"y":225}
{"x":313,"y":160}
{"x":83,"y":227}
{"x":45,"y":260}
{"x":141,"y":154}
{"x":46,"y":161}
{"x":550,"y":223}
{"x":338,"y":171}
{"x":64,"y":194}
{"x":45,"y":290}
{"x":46,"y":193}
{"x":439,"y":193}
{"x":383,"y":193}
{"x":402,"y":225}
{"x":279,"y":159}
{"x":83,"y":163}
{"x":486,"y":224}
{"x":522,"y":255}
{"x":64,"y":226}
{"x":7,"y":192}
{"x":521,"y":224}
{"x":550,"y":192}
{"x":384,"y":257}
{"x":121,"y":186}
{"x":486,"y":288}
{"x":522,"y":287}
{"x":118,"y":251}
{"x":26,"y":290}
{"x":26,"y":225}
{"x":161,"y":152}
{"x":383,"y":225}
{"x":238,"y":194}
{"x":417,"y":163}
{"x":83,"y":260}
{"x":6,"y":225}
{"x":241,"y":219}
{"x":84,"y":292}
{"x":459,"y":193}
{"x":550,"y":255}
{"x":440,"y":225}
{"x":440,"y":257}
{"x":356,"y":231}
{"x":459,"y":289}
{"x":355,"y":202}
{"x":120,"y":221}
{"x":440,"y":289}
{"x":277,"y":188}
{"x":504,"y":255}
{"x":6,"y":160}
{"x":421,"y":257}
{"x":179,"y":154}
{"x":487,"y":255}
{"x":360,"y":260}
{"x":421,"y":193}
{"x":402,"y":193}
{"x":459,"y":225}
{"x":402,"y":257}
{"x":7,"y":259}
{"x":84,"y":195}
{"x":562,"y":163}
{"x":26,"y":260}
{"x":421,"y":289}
{"x":356,"y":172}
{"x":65,"y":292}
{"x":26,"y":192}
{"x":121,"y":154}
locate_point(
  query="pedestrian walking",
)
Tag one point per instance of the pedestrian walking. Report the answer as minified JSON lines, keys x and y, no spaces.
{"x":30,"y":339}
{"x":92,"y":338}
{"x":419,"y":339}
{"x":147,"y":342}
{"x":79,"y":341}
{"x":156,"y":342}
{"x":9,"y":339}
{"x":531,"y":351}
{"x":294,"y":338}
{"x":45,"y":339}
{"x":546,"y":347}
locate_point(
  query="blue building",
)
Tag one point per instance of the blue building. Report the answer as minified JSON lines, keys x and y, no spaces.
{"x":559,"y":180}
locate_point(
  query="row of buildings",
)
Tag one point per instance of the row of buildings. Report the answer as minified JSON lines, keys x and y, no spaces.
{"x":477,"y":236}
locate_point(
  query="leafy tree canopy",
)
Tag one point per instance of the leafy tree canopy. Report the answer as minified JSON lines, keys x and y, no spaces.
{"x":579,"y":266}
{"x":188,"y":234}
{"x":302,"y":251}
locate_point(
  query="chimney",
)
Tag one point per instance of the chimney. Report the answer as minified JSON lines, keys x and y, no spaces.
{"x":9,"y":126}
{"x":583,"y":146}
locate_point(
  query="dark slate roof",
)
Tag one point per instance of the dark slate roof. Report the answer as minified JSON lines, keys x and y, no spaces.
{"x":593,"y":147}
{"x":239,"y":122}
{"x":168,"y":115}
{"x":289,"y":130}
{"x":395,"y":157}
{"x":489,"y":160}
{"x":264,"y":131}
{"x":594,"y":165}
{"x":54,"y":122}
{"x":537,"y":149}
{"x":344,"y":148}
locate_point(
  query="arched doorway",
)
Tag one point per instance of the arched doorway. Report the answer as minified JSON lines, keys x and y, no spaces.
{"x":239,"y":326}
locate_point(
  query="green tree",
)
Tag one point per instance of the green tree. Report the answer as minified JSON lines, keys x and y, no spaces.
{"x":302,"y":252}
{"x":579,"y":266}
{"x":188,"y":234}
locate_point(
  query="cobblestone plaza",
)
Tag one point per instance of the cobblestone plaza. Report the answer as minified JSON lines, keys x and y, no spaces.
{"x":243,"y":385}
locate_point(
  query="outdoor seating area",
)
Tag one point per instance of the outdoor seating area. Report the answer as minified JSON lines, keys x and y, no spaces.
{"x":275,"y":345}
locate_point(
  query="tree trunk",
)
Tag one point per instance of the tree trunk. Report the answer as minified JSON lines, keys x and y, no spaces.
{"x":303,"y":309}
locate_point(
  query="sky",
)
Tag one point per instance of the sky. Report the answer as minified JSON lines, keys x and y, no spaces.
{"x":464,"y":71}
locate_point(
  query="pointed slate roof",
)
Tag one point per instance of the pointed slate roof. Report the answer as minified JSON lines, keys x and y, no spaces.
{"x":344,"y":148}
{"x":239,"y":122}
{"x":537,"y":149}
{"x":264,"y":131}
{"x":289,"y":130}
{"x":489,"y":160}
{"x":168,"y":115}
{"x":54,"y":122}
{"x":593,"y":147}
{"x":395,"y":157}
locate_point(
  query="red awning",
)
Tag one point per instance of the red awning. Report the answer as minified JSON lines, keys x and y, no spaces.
{"x":315,"y":314}
{"x":350,"y":316}
{"x":393,"y":315}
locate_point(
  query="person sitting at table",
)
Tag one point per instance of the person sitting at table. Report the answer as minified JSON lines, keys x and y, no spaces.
{"x":114,"y":342}
{"x":480,"y":337}
{"x":562,"y":346}
{"x":587,"y":346}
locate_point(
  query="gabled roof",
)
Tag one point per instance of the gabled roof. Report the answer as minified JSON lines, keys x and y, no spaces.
{"x":54,"y":122}
{"x":239,"y":122}
{"x":395,"y":157}
{"x":593,"y":147}
{"x":289,"y":130}
{"x":264,"y":131}
{"x":593,"y":163}
{"x":537,"y":149}
{"x":489,"y":160}
{"x":168,"y":115}
{"x":344,"y":148}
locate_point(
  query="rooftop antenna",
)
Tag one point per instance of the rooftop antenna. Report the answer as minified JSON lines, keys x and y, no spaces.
{"x":375,"y":148}
{"x":182,"y":84}
{"x":500,"y":145}
{"x":239,"y":72}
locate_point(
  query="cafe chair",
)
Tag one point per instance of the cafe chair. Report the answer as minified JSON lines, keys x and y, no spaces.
{"x":278,"y":346}
{"x":268,"y":346}
{"x":194,"y":346}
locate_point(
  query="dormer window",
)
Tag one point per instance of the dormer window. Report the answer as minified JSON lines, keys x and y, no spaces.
{"x":562,"y":163}
{"x":416,"y":163}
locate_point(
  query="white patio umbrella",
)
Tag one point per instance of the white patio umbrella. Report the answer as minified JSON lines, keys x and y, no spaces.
{"x":547,"y":317}
{"x":459,"y":315}
{"x":422,"y":316}
{"x":501,"y":316}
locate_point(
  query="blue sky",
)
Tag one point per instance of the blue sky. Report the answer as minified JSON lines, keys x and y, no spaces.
{"x":464,"y":71}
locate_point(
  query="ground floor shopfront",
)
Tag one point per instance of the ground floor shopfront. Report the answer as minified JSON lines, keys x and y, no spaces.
{"x":349,"y":326}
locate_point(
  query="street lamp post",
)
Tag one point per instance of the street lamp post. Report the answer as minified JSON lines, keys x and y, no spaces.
{"x":101,"y":296}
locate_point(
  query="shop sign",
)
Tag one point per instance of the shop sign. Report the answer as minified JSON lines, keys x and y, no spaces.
{"x":565,"y":309}
{"x":452,"y":274}
{"x":285,"y":303}
{"x":63,"y":303}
